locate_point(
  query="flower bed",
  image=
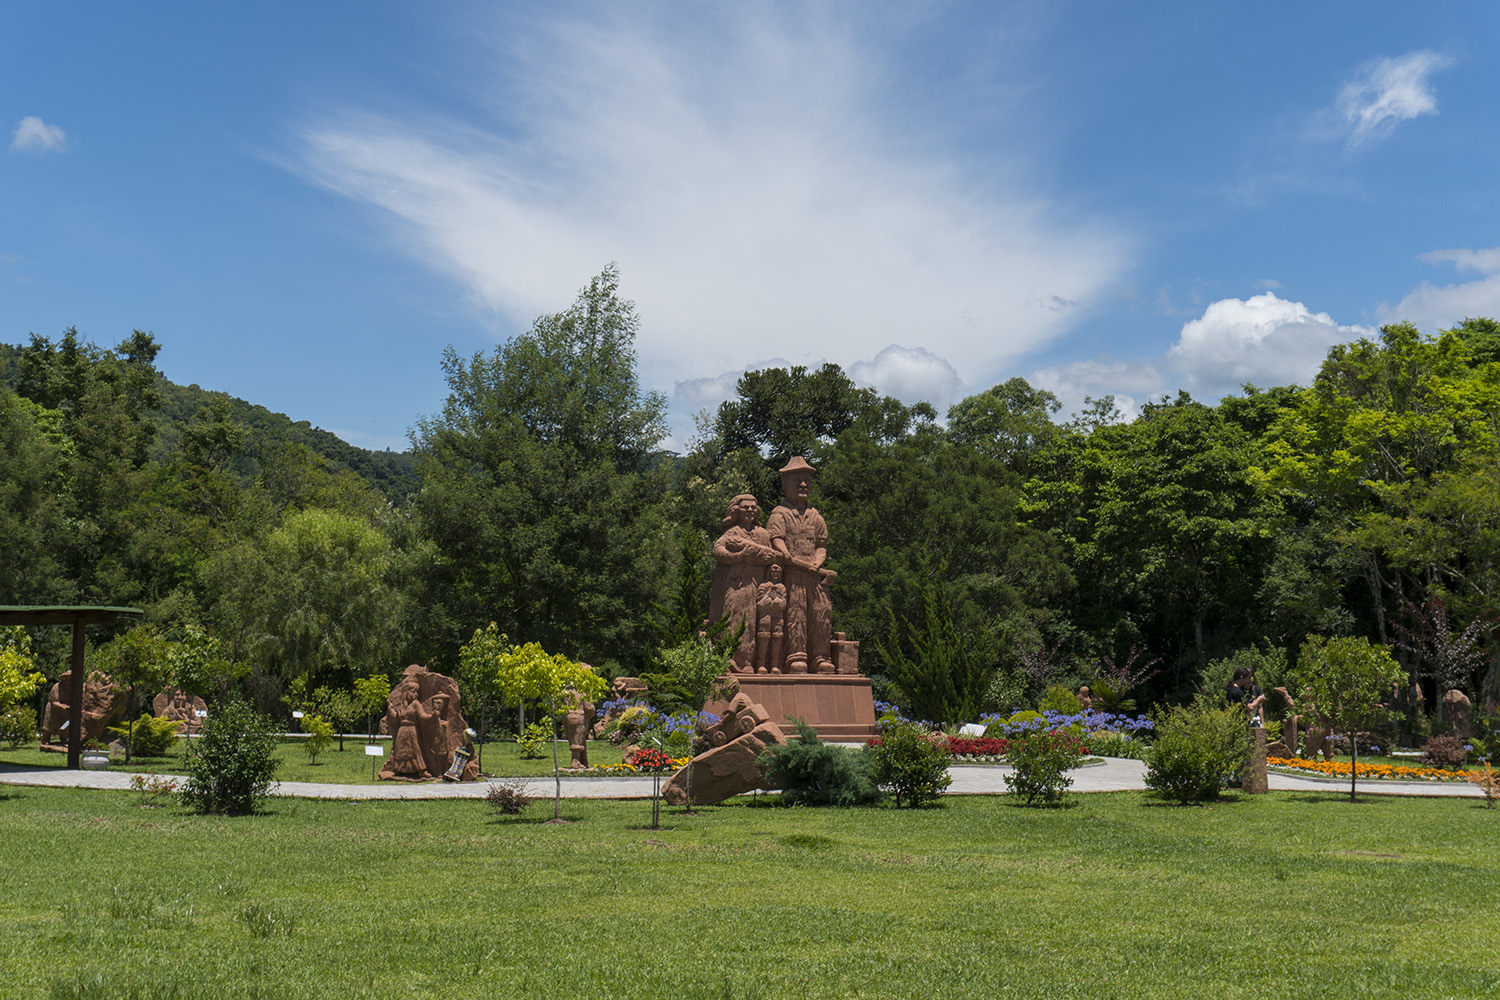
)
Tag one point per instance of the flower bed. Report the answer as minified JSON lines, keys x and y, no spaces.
{"x":667,"y":766}
{"x":1340,"y":769}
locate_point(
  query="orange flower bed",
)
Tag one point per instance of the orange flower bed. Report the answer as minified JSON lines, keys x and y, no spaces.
{"x":1340,"y":769}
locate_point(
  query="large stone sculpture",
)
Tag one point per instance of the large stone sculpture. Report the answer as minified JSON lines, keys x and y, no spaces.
{"x":175,"y":704}
{"x":102,"y":705}
{"x":422,"y":714}
{"x":772,"y":586}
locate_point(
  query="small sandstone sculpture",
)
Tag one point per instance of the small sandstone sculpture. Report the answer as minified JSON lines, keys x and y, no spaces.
{"x":422,"y":714}
{"x":732,"y":766}
{"x":102,"y":705}
{"x":576,"y":725}
{"x":1457,"y":713}
{"x":175,"y":704}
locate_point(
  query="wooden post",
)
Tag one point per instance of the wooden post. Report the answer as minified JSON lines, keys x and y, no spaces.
{"x":75,"y":700}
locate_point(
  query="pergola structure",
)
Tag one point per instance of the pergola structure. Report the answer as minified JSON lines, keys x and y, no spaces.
{"x":77,"y":617}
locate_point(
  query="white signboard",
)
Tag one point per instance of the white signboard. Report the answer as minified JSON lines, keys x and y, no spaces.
{"x":373,"y":750}
{"x":971,"y":729}
{"x":296,"y":715}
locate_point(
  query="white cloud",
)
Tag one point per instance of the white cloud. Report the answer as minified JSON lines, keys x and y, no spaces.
{"x":911,"y":374}
{"x":753,"y":183}
{"x":31,"y":134}
{"x":1130,"y":382}
{"x":1263,"y":339}
{"x":1438,"y":307}
{"x":1388,"y":92}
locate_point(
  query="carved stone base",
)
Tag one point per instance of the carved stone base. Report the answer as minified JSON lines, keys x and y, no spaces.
{"x":838,"y":706}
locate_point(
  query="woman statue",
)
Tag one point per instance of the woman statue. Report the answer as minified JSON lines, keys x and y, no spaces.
{"x":742,"y":553}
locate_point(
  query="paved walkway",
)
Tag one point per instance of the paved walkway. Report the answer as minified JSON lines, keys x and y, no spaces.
{"x":1113,"y":775}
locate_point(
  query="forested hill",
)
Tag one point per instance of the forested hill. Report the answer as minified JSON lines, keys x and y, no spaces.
{"x":393,"y":474}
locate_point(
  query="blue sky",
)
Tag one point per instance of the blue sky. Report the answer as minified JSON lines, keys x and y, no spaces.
{"x":306,"y":202}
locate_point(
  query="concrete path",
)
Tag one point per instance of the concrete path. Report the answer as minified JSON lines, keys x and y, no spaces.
{"x":1112,"y":775}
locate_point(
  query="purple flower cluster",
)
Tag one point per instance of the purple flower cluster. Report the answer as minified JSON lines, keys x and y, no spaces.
{"x":1090,"y":721}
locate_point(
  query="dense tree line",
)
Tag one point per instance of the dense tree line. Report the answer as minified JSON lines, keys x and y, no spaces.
{"x":982,"y":554}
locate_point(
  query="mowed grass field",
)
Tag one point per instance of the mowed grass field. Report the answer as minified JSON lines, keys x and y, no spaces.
{"x":347,"y":767}
{"x":1285,"y":895}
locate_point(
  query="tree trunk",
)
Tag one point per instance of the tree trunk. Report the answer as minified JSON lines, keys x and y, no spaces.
{"x":556,"y":772}
{"x":1354,"y":767}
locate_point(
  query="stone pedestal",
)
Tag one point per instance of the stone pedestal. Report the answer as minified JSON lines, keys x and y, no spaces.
{"x":1254,"y":781}
{"x":838,"y":706}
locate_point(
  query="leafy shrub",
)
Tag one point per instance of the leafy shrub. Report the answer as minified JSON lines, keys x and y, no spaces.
{"x":507,"y":796}
{"x":151,"y":736}
{"x":1041,"y":761}
{"x":319,"y":736}
{"x":232,"y":764}
{"x":1060,"y":699}
{"x":811,"y":772}
{"x":532,"y":739}
{"x":1197,"y":750}
{"x":1107,"y":743}
{"x":18,"y":725}
{"x":1447,"y":752}
{"x":1488,"y":781}
{"x":913,"y":768}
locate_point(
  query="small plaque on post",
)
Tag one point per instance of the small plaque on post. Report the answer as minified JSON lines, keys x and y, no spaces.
{"x":374,"y":750}
{"x":296,"y":715}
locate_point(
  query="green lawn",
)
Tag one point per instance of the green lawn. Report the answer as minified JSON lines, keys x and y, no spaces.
{"x":1118,"y":896}
{"x":350,"y":767}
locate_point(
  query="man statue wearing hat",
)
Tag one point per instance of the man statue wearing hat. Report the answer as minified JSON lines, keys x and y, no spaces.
{"x":800,"y":537}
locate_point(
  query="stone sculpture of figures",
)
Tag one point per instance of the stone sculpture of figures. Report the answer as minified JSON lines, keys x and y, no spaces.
{"x":800,"y":537}
{"x":742,"y":553}
{"x":422,"y":714}
{"x":173,"y":703}
{"x":770,"y":618}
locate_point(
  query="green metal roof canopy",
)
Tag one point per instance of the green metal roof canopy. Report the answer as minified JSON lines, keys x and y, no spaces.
{"x":77,"y":616}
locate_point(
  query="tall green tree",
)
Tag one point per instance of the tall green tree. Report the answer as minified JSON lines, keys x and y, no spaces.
{"x":320,"y":598}
{"x":542,"y":491}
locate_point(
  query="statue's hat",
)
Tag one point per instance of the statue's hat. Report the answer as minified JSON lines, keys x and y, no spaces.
{"x":798,"y":464}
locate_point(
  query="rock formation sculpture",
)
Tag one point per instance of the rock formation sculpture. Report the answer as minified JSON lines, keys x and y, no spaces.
{"x":102,"y":706}
{"x":732,"y":766}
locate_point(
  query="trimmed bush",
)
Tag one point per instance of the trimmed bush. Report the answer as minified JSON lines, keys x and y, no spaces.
{"x":232,"y":764}
{"x":1198,"y":750}
{"x":913,"y":768}
{"x":811,"y":772}
{"x":151,"y":736}
{"x":1041,"y":761}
